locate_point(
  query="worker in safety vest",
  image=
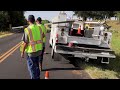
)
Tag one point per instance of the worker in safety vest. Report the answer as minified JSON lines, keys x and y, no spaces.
{"x":39,"y":23}
{"x":32,"y":44}
{"x":87,"y":26}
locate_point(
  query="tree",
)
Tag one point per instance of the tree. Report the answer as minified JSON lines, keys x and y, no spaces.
{"x":4,"y":19}
{"x":16,"y":18}
{"x":83,"y":14}
{"x":118,"y":15}
{"x":45,"y":21}
{"x":94,"y":14}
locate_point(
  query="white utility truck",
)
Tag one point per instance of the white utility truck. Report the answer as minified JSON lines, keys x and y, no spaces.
{"x":76,"y":38}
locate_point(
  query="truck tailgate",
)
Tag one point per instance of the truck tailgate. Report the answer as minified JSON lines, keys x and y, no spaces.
{"x":84,"y":52}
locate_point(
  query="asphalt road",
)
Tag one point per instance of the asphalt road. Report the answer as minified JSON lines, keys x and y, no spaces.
{"x":13,"y":67}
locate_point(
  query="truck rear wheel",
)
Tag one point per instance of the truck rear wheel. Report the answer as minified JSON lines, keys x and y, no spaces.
{"x":50,"y":46}
{"x":55,"y":56}
{"x":52,"y":53}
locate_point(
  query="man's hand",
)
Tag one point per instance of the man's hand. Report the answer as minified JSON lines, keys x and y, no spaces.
{"x":22,"y":55}
{"x":23,"y":50}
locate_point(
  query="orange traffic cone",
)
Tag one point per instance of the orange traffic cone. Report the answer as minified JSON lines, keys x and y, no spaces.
{"x":79,"y":31}
{"x":46,"y":75}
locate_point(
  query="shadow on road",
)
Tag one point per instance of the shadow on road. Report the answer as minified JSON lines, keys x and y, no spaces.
{"x":54,"y":69}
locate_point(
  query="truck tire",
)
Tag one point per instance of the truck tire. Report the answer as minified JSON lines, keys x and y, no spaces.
{"x":50,"y":46}
{"x":52,"y":53}
{"x":55,"y":56}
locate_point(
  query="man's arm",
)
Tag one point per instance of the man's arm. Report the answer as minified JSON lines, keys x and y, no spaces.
{"x":23,"y":49}
{"x":44,"y":31}
{"x":25,"y":43}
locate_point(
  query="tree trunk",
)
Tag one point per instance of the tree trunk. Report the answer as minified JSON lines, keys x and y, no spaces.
{"x":10,"y":27}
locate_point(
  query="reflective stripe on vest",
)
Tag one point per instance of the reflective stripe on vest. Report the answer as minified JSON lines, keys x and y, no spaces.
{"x":41,"y":34}
{"x":32,"y":43}
{"x":31,"y":40}
{"x":43,"y":30}
{"x":21,"y":46}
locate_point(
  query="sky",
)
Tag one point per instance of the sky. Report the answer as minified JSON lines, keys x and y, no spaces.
{"x":46,"y":14}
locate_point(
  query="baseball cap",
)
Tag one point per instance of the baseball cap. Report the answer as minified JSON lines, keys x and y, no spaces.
{"x":31,"y":18}
{"x":39,"y":19}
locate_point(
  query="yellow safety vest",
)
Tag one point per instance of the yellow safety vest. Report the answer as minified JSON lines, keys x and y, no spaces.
{"x":44,"y":31}
{"x":35,"y":39}
{"x":21,"y":46}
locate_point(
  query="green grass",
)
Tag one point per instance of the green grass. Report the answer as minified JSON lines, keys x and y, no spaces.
{"x":115,"y":65}
{"x":48,"y":28}
{"x":5,"y":33}
{"x":112,"y":70}
{"x":99,"y":73}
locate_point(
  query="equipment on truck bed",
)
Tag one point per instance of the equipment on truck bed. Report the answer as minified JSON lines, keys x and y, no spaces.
{"x":80,"y":39}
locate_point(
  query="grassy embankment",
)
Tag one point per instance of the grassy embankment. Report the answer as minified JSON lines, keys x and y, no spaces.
{"x":111,"y":71}
{"x":4,"y":34}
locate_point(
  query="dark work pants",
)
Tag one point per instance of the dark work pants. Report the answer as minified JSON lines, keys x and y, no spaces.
{"x":33,"y":67}
{"x":41,"y":60}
